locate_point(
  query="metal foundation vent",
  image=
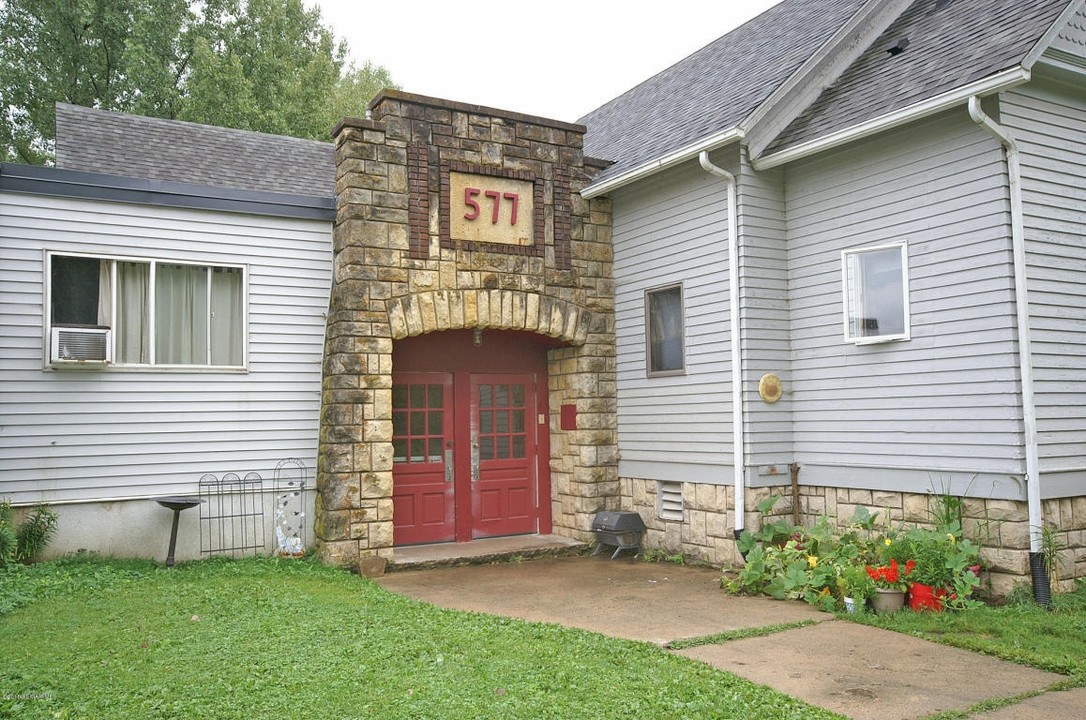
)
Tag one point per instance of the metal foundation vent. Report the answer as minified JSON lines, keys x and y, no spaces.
{"x":669,"y":500}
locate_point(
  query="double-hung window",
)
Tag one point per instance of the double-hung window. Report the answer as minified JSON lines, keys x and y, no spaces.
{"x":876,"y":293}
{"x":145,"y":312}
{"x":664,"y":311}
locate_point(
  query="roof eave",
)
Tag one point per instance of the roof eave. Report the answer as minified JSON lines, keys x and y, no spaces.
{"x":987,"y":86}
{"x":683,"y":154}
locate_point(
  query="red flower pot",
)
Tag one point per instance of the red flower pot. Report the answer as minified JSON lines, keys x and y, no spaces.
{"x":925,"y":597}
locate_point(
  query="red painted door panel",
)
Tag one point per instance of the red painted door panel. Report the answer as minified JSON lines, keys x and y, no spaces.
{"x":422,"y":440}
{"x":503,"y":455}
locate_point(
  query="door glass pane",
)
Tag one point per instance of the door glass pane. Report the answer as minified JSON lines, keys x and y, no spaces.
{"x":418,"y":423}
{"x":503,"y":447}
{"x":519,"y":449}
{"x":486,"y":422}
{"x":486,"y":396}
{"x":501,"y":396}
{"x":503,"y":421}
{"x":486,"y":448}
{"x":418,"y":450}
{"x":518,"y":421}
{"x":399,"y":423}
{"x":518,"y":396}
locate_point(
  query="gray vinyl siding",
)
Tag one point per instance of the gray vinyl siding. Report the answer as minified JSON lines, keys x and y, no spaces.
{"x":945,"y":401}
{"x":77,"y":435}
{"x":764,"y":314}
{"x":1049,"y":122}
{"x":671,"y":229}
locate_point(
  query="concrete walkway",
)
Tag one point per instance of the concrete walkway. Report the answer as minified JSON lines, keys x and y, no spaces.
{"x":855,"y":670}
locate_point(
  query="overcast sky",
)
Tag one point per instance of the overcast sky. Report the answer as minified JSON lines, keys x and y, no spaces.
{"x":554,"y":58}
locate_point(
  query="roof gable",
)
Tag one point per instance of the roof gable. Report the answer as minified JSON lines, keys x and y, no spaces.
{"x":941,"y":45}
{"x":715,"y":88}
{"x":152,"y":148}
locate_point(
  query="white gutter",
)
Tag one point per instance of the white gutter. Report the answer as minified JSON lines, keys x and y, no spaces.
{"x":687,"y":152}
{"x":932,"y":106}
{"x":1021,"y":298}
{"x":737,"y":356}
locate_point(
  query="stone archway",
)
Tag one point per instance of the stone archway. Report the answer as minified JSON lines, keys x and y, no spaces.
{"x":403,"y":266}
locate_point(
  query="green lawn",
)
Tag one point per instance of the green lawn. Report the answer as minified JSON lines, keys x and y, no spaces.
{"x":264,"y":638}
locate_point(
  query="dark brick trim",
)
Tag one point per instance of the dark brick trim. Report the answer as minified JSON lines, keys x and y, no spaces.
{"x":536,"y":249}
{"x":418,"y":213}
{"x":563,"y":209}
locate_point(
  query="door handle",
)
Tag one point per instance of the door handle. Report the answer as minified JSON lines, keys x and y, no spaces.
{"x":449,"y":465}
{"x":475,"y":460}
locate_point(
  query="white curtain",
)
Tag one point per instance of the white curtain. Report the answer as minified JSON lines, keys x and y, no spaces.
{"x":181,"y":315}
{"x":105,"y":294}
{"x":133,"y":299}
{"x":227,"y":316}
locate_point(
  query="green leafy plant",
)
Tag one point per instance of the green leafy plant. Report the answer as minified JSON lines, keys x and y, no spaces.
{"x":1051,"y":547}
{"x":855,"y":582}
{"x":9,"y":537}
{"x":35,"y":532}
{"x":22,"y":542}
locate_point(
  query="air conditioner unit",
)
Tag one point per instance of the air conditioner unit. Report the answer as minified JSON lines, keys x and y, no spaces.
{"x":85,"y":345}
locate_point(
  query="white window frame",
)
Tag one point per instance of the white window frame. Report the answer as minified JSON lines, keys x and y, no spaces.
{"x":648,"y":331}
{"x":852,"y":297}
{"x":47,"y":306}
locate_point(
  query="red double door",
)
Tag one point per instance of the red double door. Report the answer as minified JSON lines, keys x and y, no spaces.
{"x":466,"y":447}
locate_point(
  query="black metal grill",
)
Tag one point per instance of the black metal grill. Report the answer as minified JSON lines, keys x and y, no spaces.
{"x":620,"y":530}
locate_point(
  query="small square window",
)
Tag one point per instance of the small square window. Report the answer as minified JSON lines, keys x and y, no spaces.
{"x":665,"y":331}
{"x":876,"y":293}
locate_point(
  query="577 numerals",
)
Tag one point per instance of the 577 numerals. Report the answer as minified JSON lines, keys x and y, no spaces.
{"x":496,"y":197}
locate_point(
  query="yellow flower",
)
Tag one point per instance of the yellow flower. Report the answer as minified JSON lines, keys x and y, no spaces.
{"x":889,"y":542}
{"x":812,"y":560}
{"x":951,"y":538}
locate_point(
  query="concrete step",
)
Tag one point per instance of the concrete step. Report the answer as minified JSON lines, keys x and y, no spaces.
{"x":479,"y":552}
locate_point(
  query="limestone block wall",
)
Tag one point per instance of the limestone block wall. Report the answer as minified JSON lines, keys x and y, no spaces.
{"x":1000,"y":527}
{"x":401,"y":270}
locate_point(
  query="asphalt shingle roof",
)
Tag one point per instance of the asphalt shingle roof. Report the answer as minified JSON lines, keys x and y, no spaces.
{"x":951,"y":43}
{"x":714,"y":88}
{"x":155,"y":149}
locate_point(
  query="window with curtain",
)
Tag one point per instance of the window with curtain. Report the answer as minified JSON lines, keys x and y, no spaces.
{"x":159,"y":313}
{"x":665,"y":331}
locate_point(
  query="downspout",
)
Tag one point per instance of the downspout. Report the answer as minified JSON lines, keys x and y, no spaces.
{"x":1041,"y":589}
{"x":737,"y":357}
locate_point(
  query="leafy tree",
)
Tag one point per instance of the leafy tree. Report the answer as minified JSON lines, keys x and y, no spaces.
{"x":264,"y":65}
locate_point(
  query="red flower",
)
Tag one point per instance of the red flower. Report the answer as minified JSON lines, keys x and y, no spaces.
{"x":909,"y":565}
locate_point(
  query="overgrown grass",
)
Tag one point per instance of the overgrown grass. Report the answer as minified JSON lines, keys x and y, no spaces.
{"x":274,"y":638}
{"x":1023,"y":632}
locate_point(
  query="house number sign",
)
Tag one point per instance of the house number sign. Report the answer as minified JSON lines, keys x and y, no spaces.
{"x":490,"y":209}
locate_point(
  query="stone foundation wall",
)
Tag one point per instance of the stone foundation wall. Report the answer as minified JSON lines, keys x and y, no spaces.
{"x":1000,"y":527}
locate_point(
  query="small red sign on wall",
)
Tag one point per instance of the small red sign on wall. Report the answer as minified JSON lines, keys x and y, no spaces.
{"x":569,"y":417}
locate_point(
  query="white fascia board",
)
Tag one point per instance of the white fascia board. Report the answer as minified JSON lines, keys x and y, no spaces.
{"x":932,"y":106}
{"x":688,"y":152}
{"x":1052,"y":33}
